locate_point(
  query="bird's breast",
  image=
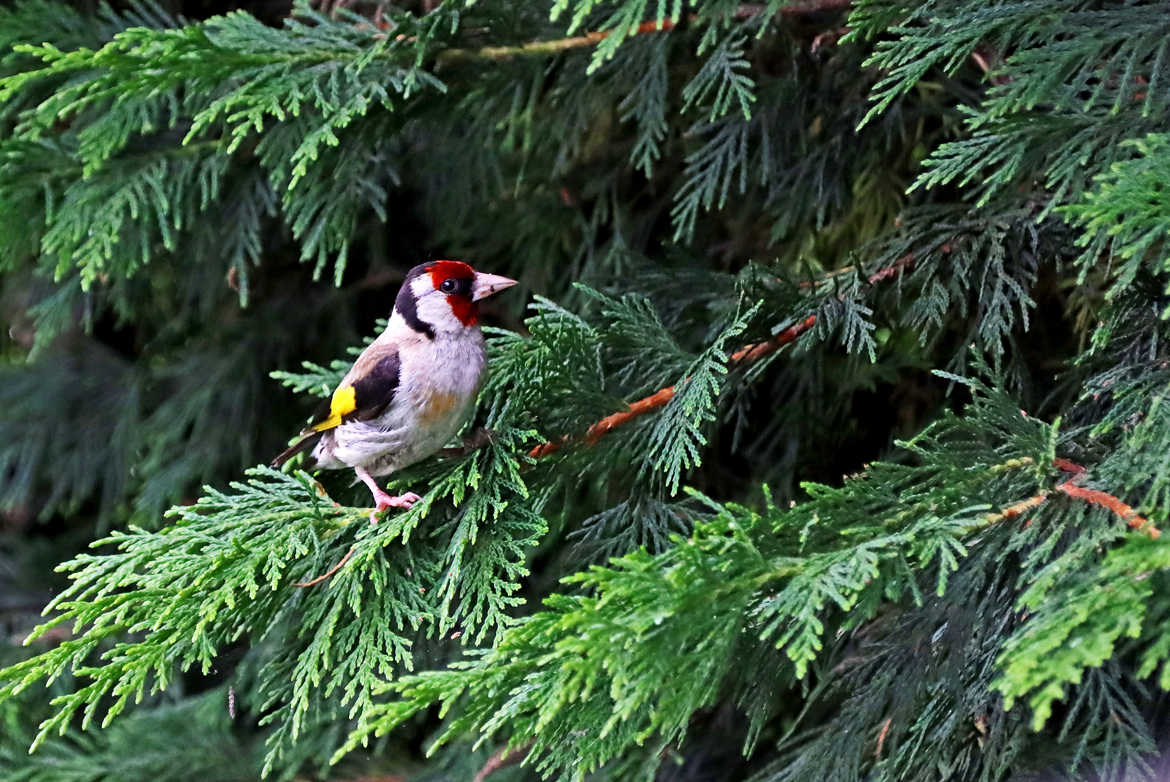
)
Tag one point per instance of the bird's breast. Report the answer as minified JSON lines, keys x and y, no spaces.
{"x":437,"y":385}
{"x":437,"y":404}
{"x":443,"y":379}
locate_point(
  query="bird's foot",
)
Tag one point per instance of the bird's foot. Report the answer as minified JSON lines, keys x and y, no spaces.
{"x":479,"y":438}
{"x":384,"y":501}
{"x":472,"y":441}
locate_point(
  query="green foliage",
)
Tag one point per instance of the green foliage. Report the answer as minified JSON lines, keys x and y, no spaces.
{"x":968,"y":199}
{"x":194,"y":734}
{"x":92,"y":396}
{"x":723,"y":79}
{"x":676,"y":441}
{"x":1127,"y":216}
{"x":1079,"y":626}
{"x":603,"y":665}
{"x":81,"y":424}
{"x":228,"y":567}
{"x":1087,"y":66}
{"x":210,"y":87}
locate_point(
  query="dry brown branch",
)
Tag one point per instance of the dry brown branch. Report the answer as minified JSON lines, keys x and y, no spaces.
{"x":746,"y":354}
{"x":554,"y":46}
{"x":1092,"y":496}
{"x":327,"y":573}
{"x":503,"y":758}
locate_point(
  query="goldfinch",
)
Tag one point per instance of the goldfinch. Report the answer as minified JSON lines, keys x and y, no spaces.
{"x":409,"y":391}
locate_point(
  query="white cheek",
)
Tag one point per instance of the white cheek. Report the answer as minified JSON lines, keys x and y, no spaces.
{"x":433,"y":308}
{"x":422,"y":286}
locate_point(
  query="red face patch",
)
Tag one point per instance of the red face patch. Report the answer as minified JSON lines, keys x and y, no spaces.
{"x":455,"y":279}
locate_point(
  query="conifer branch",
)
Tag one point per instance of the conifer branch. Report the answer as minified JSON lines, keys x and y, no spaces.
{"x":502,"y":759}
{"x":149,"y":155}
{"x":1070,"y":488}
{"x":746,"y":354}
{"x":538,"y":48}
{"x":327,"y":573}
{"x":555,"y":46}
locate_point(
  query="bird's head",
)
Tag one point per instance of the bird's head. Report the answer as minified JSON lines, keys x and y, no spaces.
{"x":443,"y":296}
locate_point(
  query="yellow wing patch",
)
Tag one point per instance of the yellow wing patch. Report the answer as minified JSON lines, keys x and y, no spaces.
{"x":343,"y":403}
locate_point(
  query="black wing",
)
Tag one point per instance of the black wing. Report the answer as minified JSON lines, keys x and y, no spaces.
{"x":365,"y":393}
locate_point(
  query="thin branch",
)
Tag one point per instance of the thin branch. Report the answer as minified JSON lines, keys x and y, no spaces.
{"x":1125,"y":512}
{"x":659,"y":399}
{"x":1069,"y":466}
{"x":555,"y":46}
{"x":503,"y":758}
{"x":327,"y":573}
{"x":1092,"y":496}
{"x":746,"y":354}
{"x":881,"y":740}
{"x":897,"y":267}
{"x":1016,"y":510}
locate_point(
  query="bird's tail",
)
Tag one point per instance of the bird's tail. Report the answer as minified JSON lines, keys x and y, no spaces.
{"x":303,"y":443}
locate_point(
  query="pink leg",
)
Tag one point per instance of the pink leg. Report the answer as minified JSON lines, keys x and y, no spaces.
{"x":382,"y":499}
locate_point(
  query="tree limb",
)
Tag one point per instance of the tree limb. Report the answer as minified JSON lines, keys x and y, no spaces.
{"x":501,"y":759}
{"x":745,"y":11}
{"x":1092,"y":496}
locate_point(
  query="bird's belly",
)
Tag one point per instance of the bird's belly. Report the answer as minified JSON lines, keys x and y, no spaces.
{"x":392,"y":442}
{"x":428,"y":409}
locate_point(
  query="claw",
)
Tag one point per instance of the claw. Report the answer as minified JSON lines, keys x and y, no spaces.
{"x":405,"y":501}
{"x":384,"y":500}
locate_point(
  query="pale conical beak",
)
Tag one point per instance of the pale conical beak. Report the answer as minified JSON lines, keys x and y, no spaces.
{"x":487,"y":284}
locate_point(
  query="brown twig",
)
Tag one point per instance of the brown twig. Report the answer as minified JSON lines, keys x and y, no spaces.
{"x":1016,"y":510}
{"x":327,"y":573}
{"x":877,"y":753}
{"x":746,"y":354}
{"x":745,"y":11}
{"x":503,"y":758}
{"x":751,"y":353}
{"x":1092,"y":496}
{"x":897,"y":267}
{"x":988,"y":61}
{"x":1125,"y":512}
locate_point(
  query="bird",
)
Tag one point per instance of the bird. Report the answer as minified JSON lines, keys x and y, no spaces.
{"x":412,"y":388}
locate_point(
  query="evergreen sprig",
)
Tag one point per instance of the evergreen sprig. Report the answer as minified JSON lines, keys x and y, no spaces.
{"x":783,"y":578}
{"x":1126,"y":216}
{"x":228,"y":567}
{"x":681,"y":185}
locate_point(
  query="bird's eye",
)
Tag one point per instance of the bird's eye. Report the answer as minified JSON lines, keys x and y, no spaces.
{"x":448,"y":285}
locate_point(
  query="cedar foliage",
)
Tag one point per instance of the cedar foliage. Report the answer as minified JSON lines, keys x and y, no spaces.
{"x":920,"y":541}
